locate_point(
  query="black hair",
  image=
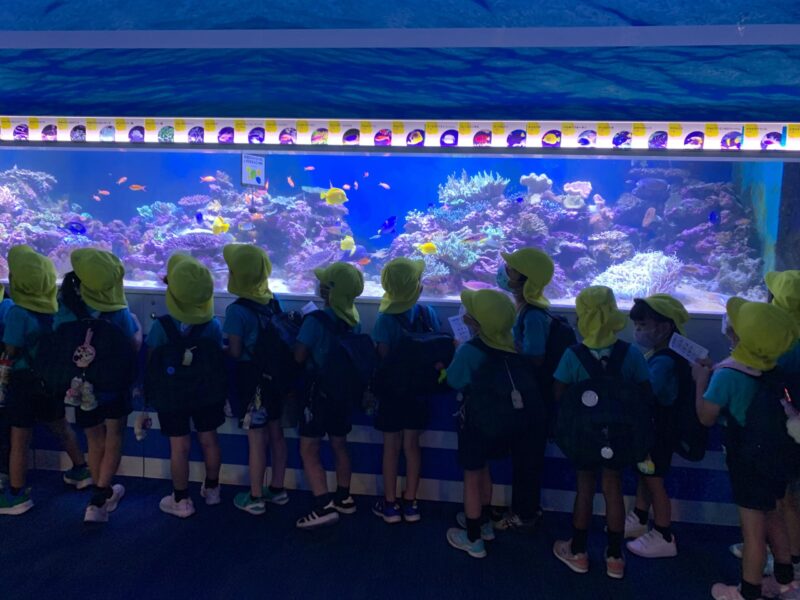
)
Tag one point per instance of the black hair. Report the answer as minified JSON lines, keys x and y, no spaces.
{"x":71,"y":293}
{"x":641,"y":311}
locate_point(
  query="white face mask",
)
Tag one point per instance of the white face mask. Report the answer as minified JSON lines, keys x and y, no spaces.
{"x":503,"y":281}
{"x":646,"y":338}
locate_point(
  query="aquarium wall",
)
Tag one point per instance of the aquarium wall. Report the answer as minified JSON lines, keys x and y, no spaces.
{"x":700,"y":228}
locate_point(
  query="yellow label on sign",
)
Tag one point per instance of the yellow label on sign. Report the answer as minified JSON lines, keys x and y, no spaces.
{"x":62,"y":124}
{"x":180,"y":125}
{"x":33,"y":123}
{"x":5,"y":123}
{"x":568,"y":129}
{"x":750,"y":130}
{"x":120,"y":124}
{"x":675,"y":129}
{"x":793,"y":130}
{"x":149,"y":124}
{"x":464,"y":128}
{"x":431,"y":128}
{"x":639,"y":130}
{"x":91,"y":124}
{"x":239,"y":126}
{"x":533,"y":128}
{"x":398,"y":127}
{"x":498,"y":128}
{"x":366,"y":126}
{"x":209,"y":125}
{"x":302,"y":127}
{"x":270,"y":126}
{"x":604,"y":129}
{"x":712,"y":129}
{"x":334,"y":127}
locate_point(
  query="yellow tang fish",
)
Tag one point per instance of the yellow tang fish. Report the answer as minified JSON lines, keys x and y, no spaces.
{"x":348,"y":243}
{"x":427,"y":248}
{"x":334,"y":196}
{"x":220,"y":226}
{"x":551,"y":138}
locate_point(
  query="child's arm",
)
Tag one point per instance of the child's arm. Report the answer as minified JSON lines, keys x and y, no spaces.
{"x":707,"y":412}
{"x":301,"y":353}
{"x":234,"y":349}
{"x":559,"y":388}
{"x":383,"y":350}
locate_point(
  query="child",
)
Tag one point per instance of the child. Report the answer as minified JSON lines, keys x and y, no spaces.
{"x":326,"y":413}
{"x":249,"y":269}
{"x":94,"y":289}
{"x":760,"y":334}
{"x":525,"y":273}
{"x":5,"y":429}
{"x":190,"y":303}
{"x":599,"y":321}
{"x":655,"y":319}
{"x":32,"y":284}
{"x":401,"y":419}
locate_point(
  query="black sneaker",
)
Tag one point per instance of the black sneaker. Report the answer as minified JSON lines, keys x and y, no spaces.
{"x":511,"y":521}
{"x":346,"y":506}
{"x":319,"y":517}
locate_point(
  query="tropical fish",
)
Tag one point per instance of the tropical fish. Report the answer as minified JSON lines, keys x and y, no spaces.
{"x":290,"y":181}
{"x":104,"y":192}
{"x":388,"y":226}
{"x":348,"y":244}
{"x":384,"y":185}
{"x":309,"y":168}
{"x":219,"y":226}
{"x":208,"y":179}
{"x":198,"y":217}
{"x":364,"y":261}
{"x":76,"y":228}
{"x":415,"y":138}
{"x":366,"y":174}
{"x":478,"y":285}
{"x":257,"y":217}
{"x":137,"y":188}
{"x":519,"y":199}
{"x":96,"y":198}
{"x":713,"y":217}
{"x":121,"y":180}
{"x":355,"y":185}
{"x":427,"y":248}
{"x":649,"y":216}
{"x":551,"y":138}
{"x":334,"y":196}
{"x":475,"y":238}
{"x":346,"y":186}
{"x":382,"y":253}
{"x":333,"y":229}
{"x":246,"y":226}
{"x":449,"y":139}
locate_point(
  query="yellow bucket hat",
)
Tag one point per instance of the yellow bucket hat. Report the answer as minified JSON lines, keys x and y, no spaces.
{"x":669,"y":307}
{"x":249,"y":269}
{"x":401,"y":280}
{"x":765,"y":332}
{"x":190,"y":290}
{"x":495,"y":313}
{"x":599,"y":319}
{"x":785,"y":288}
{"x":33,"y":280}
{"x":538,"y":267}
{"x":346,"y":284}
{"x":2,"y":292}
{"x":101,"y":274}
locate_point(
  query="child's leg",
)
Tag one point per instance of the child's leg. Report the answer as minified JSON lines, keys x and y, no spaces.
{"x":211,"y":454}
{"x":96,"y":444}
{"x":413,"y":454}
{"x":615,"y":511}
{"x":662,"y":508}
{"x":312,"y":465}
{"x":778,"y":538}
{"x":754,"y":549}
{"x":257,"y":461}
{"x":278,"y":453}
{"x":791,"y":515}
{"x":586,"y":483}
{"x":179,"y":447}
{"x":643,"y":500}
{"x":392,"y":441}
{"x":69,"y":441}
{"x":486,"y":487}
{"x":473,"y":493}
{"x":342,"y":460}
{"x":18,"y":461}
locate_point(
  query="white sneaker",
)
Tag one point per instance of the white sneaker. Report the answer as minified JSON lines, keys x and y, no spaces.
{"x":212,"y":495}
{"x":118,"y":492}
{"x":96,"y":514}
{"x":772,"y":589}
{"x":634,"y":529}
{"x":182,"y":509}
{"x":653,"y":545}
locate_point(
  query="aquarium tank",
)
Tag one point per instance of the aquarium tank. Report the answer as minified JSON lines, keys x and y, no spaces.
{"x":702,"y":229}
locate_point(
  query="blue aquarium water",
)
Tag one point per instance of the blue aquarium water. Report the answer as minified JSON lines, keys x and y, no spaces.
{"x":687,"y":227}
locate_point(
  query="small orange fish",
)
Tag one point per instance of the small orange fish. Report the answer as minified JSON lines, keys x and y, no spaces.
{"x":121,"y":180}
{"x":248,"y":200}
{"x":309,"y":168}
{"x":366,"y":173}
{"x":346,"y":186}
{"x":384,"y":185}
{"x":266,"y":186}
{"x":364,"y":262}
{"x":355,"y":185}
{"x":104,"y":192}
{"x":96,"y":198}
{"x":256,"y":217}
{"x":137,"y":188}
{"x":649,"y":216}
{"x":290,"y":181}
{"x":208,"y":179}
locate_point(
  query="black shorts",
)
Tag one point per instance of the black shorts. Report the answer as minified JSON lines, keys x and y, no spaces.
{"x":664,"y":443}
{"x":28,"y":402}
{"x":247,"y":381}
{"x":396,"y":414}
{"x":204,"y":418}
{"x":751,"y":488}
{"x":323,"y":415}
{"x":475,"y":451}
{"x":118,"y":407}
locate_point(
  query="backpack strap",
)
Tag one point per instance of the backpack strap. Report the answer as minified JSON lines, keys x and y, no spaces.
{"x":336,"y":326}
{"x":617,"y":358}
{"x":593,"y":366}
{"x":420,"y":323}
{"x":263,"y":312}
{"x":170,"y":329}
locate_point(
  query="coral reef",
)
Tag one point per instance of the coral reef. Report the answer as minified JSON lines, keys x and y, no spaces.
{"x":644,"y":274}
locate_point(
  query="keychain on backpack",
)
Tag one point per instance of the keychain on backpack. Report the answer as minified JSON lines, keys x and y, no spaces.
{"x":606,"y":451}
{"x":85,"y":353}
{"x":516,"y":396}
{"x":141,"y":425}
{"x":188,"y":357}
{"x":88,"y":400}
{"x":73,"y":395}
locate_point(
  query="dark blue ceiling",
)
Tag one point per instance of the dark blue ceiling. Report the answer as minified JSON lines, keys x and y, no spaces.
{"x":682,"y":81}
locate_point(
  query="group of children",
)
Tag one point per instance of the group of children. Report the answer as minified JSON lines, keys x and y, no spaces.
{"x":516,"y":380}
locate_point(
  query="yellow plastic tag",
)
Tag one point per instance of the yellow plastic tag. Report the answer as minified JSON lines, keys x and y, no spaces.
{"x":639,"y":130}
{"x":209,"y":125}
{"x":239,"y":126}
{"x":464,"y":128}
{"x":675,"y":129}
{"x":567,"y":129}
{"x":120,"y":124}
{"x":91,"y":124}
{"x":792,"y":130}
{"x":180,"y":125}
{"x":62,"y":124}
{"x":149,"y":124}
{"x":750,"y":130}
{"x":533,"y":128}
{"x":270,"y":126}
{"x":5,"y":123}
{"x":712,"y":129}
{"x":302,"y":127}
{"x":604,"y":129}
{"x":334,"y":126}
{"x":366,"y":126}
{"x":398,"y":127}
{"x":498,"y":128}
{"x":431,"y":128}
{"x":33,"y":123}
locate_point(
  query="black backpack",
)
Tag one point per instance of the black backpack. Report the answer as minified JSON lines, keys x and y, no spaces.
{"x":273,"y":353}
{"x":691,"y":436}
{"x":413,"y":366}
{"x":606,"y":420}
{"x":27,"y":384}
{"x":490,"y":410}
{"x":351,"y":366}
{"x":763,"y":441}
{"x":171,"y":385}
{"x":113,"y":369}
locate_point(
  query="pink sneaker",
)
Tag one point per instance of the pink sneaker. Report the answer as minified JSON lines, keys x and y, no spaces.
{"x":770,"y":588}
{"x":615,"y":567}
{"x":578,"y":563}
{"x":720,"y":591}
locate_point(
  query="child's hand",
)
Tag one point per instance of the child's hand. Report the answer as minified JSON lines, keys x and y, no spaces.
{"x":701,"y":371}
